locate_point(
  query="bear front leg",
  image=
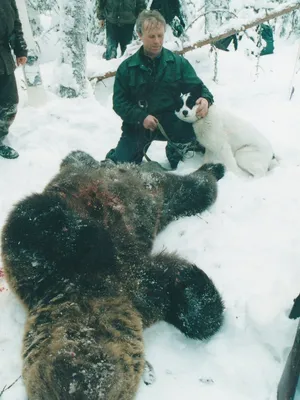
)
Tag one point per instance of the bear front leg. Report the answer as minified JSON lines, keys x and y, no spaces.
{"x":170,"y":288}
{"x":191,"y":194}
{"x":45,"y":245}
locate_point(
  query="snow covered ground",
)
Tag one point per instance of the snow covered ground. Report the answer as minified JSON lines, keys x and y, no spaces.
{"x":248,"y":242}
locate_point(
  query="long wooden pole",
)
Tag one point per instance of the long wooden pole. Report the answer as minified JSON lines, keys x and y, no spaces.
{"x":283,"y":9}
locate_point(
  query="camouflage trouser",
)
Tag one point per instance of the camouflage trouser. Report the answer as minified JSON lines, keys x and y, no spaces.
{"x":116,"y":35}
{"x":8,"y":102}
{"x":7,"y":115}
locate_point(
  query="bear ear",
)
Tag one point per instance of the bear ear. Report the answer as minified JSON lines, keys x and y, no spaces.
{"x":79,"y":159}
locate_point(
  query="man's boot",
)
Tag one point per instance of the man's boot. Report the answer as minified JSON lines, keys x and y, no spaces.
{"x":176,"y":152}
{"x":7,"y":116}
{"x":110,"y":52}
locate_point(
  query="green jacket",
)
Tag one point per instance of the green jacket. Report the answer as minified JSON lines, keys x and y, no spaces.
{"x":11,"y":36}
{"x":120,"y":12}
{"x":135,"y":87}
{"x":267,"y":34}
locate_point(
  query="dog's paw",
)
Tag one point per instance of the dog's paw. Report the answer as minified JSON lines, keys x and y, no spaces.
{"x":197,"y":308}
{"x":149,"y":374}
{"x":218,"y":170}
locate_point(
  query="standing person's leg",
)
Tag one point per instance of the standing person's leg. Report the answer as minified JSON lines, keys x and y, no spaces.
{"x":8,"y":109}
{"x":126,"y":32}
{"x":111,"y":41}
{"x":131,"y":147}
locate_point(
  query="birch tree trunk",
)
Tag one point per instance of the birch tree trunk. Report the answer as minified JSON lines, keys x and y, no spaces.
{"x":34,"y":18}
{"x":73,"y":31}
{"x":33,"y":80}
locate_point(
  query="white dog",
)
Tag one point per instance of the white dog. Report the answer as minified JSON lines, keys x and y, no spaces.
{"x":228,"y":139}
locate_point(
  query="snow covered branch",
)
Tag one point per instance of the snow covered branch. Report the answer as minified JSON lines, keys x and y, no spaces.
{"x":235,"y":27}
{"x":208,"y":39}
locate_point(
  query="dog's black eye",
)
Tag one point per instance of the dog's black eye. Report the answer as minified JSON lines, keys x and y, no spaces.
{"x":178,"y":104}
{"x":191,"y":101}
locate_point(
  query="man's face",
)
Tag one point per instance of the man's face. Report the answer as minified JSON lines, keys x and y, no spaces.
{"x":152,"y":38}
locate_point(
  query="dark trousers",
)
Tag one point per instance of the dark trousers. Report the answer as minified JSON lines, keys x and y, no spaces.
{"x":8,"y":102}
{"x":116,"y":35}
{"x":136,"y":140}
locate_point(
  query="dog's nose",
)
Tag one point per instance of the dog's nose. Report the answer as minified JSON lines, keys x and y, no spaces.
{"x":185,"y":113}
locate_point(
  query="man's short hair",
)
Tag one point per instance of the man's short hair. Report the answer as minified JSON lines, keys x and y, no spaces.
{"x":153,"y":19}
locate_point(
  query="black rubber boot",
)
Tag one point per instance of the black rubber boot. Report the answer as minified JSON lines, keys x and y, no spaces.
{"x":7,"y":116}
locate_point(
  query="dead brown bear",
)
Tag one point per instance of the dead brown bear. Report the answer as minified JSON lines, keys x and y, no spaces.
{"x":78,"y":256}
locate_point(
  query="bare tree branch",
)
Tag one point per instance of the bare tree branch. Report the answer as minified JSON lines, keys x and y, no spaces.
{"x":208,"y":39}
{"x":8,"y":387}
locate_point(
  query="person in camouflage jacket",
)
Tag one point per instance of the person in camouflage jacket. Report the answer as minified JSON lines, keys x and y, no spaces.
{"x":146,"y":90}
{"x":11,"y":37}
{"x":119,"y":16}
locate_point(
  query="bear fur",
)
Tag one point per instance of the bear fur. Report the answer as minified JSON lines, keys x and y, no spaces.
{"x":78,"y":255}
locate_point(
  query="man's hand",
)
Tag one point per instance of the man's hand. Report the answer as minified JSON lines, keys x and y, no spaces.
{"x":101,"y":23}
{"x":150,"y":122}
{"x":21,"y":60}
{"x":202,"y":109}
